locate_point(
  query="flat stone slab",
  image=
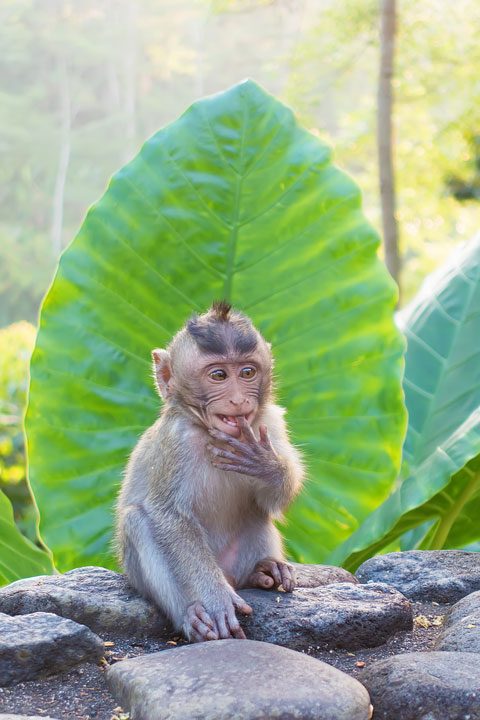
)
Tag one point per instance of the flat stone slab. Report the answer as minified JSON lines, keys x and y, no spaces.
{"x":425,"y":686}
{"x":235,"y":680}
{"x":341,"y":615}
{"x":310,"y":576}
{"x":443,"y":576}
{"x":462,"y":626}
{"x":42,"y":644}
{"x":93,"y":596}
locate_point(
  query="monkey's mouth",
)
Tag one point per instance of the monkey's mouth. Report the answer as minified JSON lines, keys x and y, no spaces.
{"x":232,"y":420}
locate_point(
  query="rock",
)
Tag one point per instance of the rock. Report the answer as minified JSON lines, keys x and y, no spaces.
{"x":467,"y":606}
{"x":463,"y":637}
{"x":310,"y":576}
{"x":425,"y":686}
{"x":24,"y":717}
{"x":440,"y":575}
{"x":93,"y":596}
{"x":41,"y":644}
{"x":340,"y":615}
{"x":235,"y":680}
{"x":462,"y":627}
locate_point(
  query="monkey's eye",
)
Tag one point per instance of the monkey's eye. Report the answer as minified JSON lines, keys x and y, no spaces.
{"x":247,"y":373}
{"x":218,"y":374}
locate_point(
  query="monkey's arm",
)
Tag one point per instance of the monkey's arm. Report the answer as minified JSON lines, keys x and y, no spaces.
{"x":279,"y":475}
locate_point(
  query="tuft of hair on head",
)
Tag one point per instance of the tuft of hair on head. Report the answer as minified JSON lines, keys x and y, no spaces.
{"x":222,"y":329}
{"x":221,"y":310}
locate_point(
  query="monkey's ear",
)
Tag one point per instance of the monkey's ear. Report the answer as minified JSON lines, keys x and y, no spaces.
{"x":162,"y":372}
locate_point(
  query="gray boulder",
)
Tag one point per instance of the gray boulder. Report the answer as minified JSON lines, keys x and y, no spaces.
{"x":341,"y":615}
{"x":425,"y":686}
{"x":462,"y":626}
{"x":310,"y":576}
{"x":467,"y":606}
{"x":24,"y":717}
{"x":41,"y":644}
{"x":443,"y":576}
{"x":93,"y":596}
{"x":235,"y":680}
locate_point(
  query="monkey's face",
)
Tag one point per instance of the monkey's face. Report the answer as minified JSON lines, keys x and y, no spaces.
{"x":231,"y":390}
{"x":217,"y":367}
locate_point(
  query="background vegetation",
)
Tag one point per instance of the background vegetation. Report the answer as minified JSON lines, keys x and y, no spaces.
{"x":82,"y":84}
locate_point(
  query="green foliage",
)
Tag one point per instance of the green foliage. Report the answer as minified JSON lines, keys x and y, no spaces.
{"x":16,"y":345}
{"x":440,"y":498}
{"x":233,"y":201}
{"x":19,"y":557}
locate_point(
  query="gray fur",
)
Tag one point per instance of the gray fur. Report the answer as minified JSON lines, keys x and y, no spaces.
{"x":189,"y":532}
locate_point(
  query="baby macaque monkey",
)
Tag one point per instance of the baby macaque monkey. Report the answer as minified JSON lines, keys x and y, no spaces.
{"x":204,"y":483}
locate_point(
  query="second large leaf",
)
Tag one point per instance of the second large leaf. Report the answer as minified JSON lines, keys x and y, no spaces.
{"x":234,"y":200}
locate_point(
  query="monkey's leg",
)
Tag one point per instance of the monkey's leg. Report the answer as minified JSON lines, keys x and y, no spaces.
{"x":181,"y":577}
{"x":148,"y":570}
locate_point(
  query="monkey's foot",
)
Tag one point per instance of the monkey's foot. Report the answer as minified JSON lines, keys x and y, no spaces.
{"x":219,"y":623}
{"x":198,"y":625}
{"x":270,"y":574}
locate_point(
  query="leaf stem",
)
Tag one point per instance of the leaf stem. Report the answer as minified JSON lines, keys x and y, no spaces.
{"x":446,"y":523}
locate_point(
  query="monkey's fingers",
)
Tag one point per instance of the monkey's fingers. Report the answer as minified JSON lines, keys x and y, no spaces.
{"x":238,"y":467}
{"x":204,"y":616}
{"x":200,"y":624}
{"x":271,"y":568}
{"x":200,"y":635}
{"x":260,"y":580}
{"x":223,"y":629}
{"x":247,"y":431}
{"x":235,"y":629}
{"x":217,"y":452}
{"x":231,"y":441}
{"x":288,"y":576}
{"x":241,"y":605}
{"x":264,"y":437}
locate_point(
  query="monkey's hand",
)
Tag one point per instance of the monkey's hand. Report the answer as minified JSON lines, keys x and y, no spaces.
{"x":219,"y":622}
{"x":256,"y":458}
{"x":270,"y":573}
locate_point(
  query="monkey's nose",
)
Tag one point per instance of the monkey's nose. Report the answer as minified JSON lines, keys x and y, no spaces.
{"x":240,"y":401}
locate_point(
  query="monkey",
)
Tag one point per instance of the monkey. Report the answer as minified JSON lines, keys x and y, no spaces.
{"x":205,"y":482}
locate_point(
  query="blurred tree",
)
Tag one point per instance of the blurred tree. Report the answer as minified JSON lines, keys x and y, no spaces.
{"x":437,"y":110}
{"x":82,"y":84}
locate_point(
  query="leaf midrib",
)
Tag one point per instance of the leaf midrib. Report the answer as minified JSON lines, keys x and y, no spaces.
{"x":233,"y":237}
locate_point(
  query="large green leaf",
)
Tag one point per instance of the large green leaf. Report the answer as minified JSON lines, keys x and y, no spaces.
{"x":234,"y":201}
{"x":442,"y":392}
{"x":19,"y":557}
